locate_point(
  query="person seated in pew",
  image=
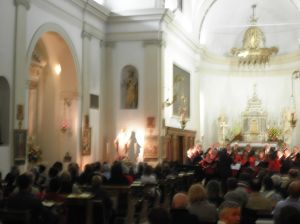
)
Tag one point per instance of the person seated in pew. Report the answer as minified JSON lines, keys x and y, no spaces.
{"x":101,"y":194}
{"x":25,"y":200}
{"x":159,"y":216}
{"x":198,"y":203}
{"x":229,"y":213}
{"x":117,"y":175}
{"x":179,"y":212}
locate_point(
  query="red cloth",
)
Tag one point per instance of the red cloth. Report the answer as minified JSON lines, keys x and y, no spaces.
{"x":274,"y":165}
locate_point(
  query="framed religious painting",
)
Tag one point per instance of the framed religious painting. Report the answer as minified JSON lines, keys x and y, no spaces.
{"x":181,"y":90}
{"x":151,"y":147}
{"x":20,"y":143}
{"x":86,"y":141}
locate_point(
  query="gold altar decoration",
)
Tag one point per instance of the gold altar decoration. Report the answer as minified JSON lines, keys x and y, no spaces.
{"x":254,"y":51}
{"x":86,"y":139}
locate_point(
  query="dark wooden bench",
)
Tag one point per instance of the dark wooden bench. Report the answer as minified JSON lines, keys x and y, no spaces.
{"x":8,"y":216}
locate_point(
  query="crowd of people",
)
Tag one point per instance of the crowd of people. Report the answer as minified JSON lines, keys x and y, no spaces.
{"x":231,"y":186}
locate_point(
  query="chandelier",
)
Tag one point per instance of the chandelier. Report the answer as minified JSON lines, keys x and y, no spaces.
{"x":254,"y":51}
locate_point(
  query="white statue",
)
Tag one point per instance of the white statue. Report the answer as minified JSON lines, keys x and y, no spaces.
{"x":222,"y":128}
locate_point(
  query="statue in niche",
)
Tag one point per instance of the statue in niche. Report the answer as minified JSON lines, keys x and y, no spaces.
{"x":130,"y":88}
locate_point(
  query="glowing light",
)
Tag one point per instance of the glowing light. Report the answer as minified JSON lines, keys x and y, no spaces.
{"x":57,"y":69}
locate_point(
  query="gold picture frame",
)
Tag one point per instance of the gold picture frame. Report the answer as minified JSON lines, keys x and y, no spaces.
{"x":86,"y":141}
{"x":151,"y":147}
{"x":20,"y":145}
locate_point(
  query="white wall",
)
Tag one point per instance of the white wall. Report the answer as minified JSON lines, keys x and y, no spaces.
{"x":182,"y":55}
{"x":128,"y":53}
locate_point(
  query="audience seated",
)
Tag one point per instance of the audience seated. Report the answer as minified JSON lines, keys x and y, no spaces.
{"x":25,"y":200}
{"x":200,"y":206}
{"x":117,"y":176}
{"x":234,"y":193}
{"x":256,"y":200}
{"x":159,"y":216}
{"x":214,"y":192}
{"x":288,"y":215}
{"x":179,"y":212}
{"x":292,"y":200}
{"x":229,"y":213}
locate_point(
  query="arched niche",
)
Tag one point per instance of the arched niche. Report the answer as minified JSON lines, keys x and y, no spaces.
{"x":4,"y":111}
{"x":52,"y":102}
{"x":129,"y":87}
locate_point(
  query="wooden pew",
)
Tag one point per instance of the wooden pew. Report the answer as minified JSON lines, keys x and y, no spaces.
{"x":8,"y":216}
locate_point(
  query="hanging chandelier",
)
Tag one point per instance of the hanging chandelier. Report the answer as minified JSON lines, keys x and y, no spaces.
{"x":254,"y":51}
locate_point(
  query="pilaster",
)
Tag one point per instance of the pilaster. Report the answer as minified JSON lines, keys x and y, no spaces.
{"x":20,"y":71}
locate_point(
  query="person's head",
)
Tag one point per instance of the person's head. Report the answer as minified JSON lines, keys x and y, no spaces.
{"x":294,"y":189}
{"x":180,"y":200}
{"x":196,"y":193}
{"x":159,"y":216}
{"x":24,"y":182}
{"x":231,"y":183}
{"x":255,"y":185}
{"x":268,"y":183}
{"x":96,"y":181}
{"x":230,"y":212}
{"x":213,"y":189}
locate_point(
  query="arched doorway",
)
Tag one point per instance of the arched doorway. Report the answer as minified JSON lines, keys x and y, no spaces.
{"x":53,"y":105}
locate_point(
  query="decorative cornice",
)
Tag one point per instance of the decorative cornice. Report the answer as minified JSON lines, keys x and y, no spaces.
{"x":25,"y":3}
{"x":107,"y":44}
{"x":137,"y":15}
{"x":94,"y":8}
{"x":85,"y":34}
{"x":160,"y":43}
{"x":134,"y":36}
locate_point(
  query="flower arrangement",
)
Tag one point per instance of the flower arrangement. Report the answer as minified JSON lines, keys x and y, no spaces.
{"x":34,"y":152}
{"x":234,"y":133}
{"x":274,"y":134}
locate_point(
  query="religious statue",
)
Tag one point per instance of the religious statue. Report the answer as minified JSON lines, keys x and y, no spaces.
{"x":131,"y":87}
{"x":133,"y":148}
{"x":222,"y":127}
{"x":121,"y":144}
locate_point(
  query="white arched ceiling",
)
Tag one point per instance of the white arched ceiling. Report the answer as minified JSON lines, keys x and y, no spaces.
{"x":222,"y":23}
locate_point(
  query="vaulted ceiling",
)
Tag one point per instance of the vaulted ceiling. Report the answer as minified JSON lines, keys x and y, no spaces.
{"x":225,"y":22}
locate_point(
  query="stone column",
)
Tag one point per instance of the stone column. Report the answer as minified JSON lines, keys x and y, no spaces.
{"x":86,"y":39}
{"x":153,"y":85}
{"x":20,"y":71}
{"x":107,"y":99}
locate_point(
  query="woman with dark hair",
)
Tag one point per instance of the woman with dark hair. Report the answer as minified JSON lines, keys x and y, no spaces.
{"x":117,"y":176}
{"x":213,"y":193}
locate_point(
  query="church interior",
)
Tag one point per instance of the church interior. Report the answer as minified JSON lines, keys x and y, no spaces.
{"x":146,"y":81}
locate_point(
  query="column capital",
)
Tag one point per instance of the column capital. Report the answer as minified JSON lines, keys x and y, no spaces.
{"x":159,"y":43}
{"x":85,"y":34}
{"x":25,"y":3}
{"x":105,"y":43}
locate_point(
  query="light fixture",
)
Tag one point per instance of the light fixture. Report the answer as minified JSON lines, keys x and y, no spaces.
{"x":254,"y":51}
{"x":57,"y":69}
{"x":293,"y":117}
